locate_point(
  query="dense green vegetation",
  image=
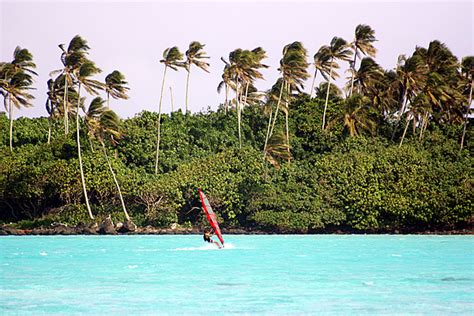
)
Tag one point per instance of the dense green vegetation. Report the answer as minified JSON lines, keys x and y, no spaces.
{"x":281,"y":160}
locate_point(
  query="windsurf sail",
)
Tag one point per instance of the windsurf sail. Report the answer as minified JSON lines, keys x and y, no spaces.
{"x":211,"y":216}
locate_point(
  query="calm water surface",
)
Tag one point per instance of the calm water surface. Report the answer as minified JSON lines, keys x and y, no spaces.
{"x":285,"y":274}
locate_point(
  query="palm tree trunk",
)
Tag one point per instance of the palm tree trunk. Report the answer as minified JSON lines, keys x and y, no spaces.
{"x":246,"y":92}
{"x":467,"y":115}
{"x":159,"y":124}
{"x":327,"y":95}
{"x":424,"y":125}
{"x":269,"y":134}
{"x":402,"y":109}
{"x":237,"y":105}
{"x":10,"y":110}
{"x":49,"y":130}
{"x":172,"y":101}
{"x":116,"y":182}
{"x":404,"y":132}
{"x":286,"y":120}
{"x":353,"y":71}
{"x":226,"y":98}
{"x":312,"y":85}
{"x":108,"y":98}
{"x":65,"y":100}
{"x":187,"y":87}
{"x":91,"y":145}
{"x":79,"y":153}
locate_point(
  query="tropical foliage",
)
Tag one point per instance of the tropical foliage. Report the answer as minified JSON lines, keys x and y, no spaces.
{"x":365,"y":170}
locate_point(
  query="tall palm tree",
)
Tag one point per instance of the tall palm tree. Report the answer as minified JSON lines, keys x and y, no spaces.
{"x":293,"y":69}
{"x":71,"y":59}
{"x":240,"y":72}
{"x":82,"y":76}
{"x":322,"y":65}
{"x":115,"y":86}
{"x":194,"y":56}
{"x":16,"y":80}
{"x":338,"y":49}
{"x":103,"y":124}
{"x":362,"y":43}
{"x":172,"y":58}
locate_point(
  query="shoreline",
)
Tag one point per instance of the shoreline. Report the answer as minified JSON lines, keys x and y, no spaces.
{"x":85,"y":230}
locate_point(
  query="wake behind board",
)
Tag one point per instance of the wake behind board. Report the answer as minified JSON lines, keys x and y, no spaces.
{"x":211,"y":216}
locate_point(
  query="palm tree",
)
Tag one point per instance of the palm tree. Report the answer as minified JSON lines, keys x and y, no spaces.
{"x":338,"y":49}
{"x":362,"y":43}
{"x":293,"y":68}
{"x":242,"y":69}
{"x":277,"y":148}
{"x":356,"y":116}
{"x":115,"y":86}
{"x":172,"y":58}
{"x":71,"y":59}
{"x":227,"y":84}
{"x":411,"y":75}
{"x":467,"y":68}
{"x":322,"y":65}
{"x":194,"y":56}
{"x":82,"y":76}
{"x":16,"y":80}
{"x":53,"y":102}
{"x":367,"y":76}
{"x":103,"y":124}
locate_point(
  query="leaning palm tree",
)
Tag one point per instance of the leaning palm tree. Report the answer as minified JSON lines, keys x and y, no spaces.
{"x":17,"y":81}
{"x":82,"y":76}
{"x":277,"y":148}
{"x":115,"y":86}
{"x":103,"y":124}
{"x":362,"y":43}
{"x":194,"y":56}
{"x":293,"y":68}
{"x":72,"y":57}
{"x":356,"y":116}
{"x":172,"y":58}
{"x":322,"y":65}
{"x":367,"y":76}
{"x":14,"y":87}
{"x":242,"y":70}
{"x":338,"y":49}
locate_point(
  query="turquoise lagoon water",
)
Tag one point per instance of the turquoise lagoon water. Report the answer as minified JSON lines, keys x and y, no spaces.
{"x":271,"y":275}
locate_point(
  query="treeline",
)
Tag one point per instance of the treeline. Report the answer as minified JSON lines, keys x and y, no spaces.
{"x":334,"y":181}
{"x":280,"y":160}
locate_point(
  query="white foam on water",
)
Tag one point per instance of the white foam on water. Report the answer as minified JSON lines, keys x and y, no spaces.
{"x":396,"y":255}
{"x":132,"y":266}
{"x":43,"y":253}
{"x":205,"y":247}
{"x":368,"y":283}
{"x":141,"y":249}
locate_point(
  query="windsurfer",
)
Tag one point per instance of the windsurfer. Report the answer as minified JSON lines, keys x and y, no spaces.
{"x":207,"y":237}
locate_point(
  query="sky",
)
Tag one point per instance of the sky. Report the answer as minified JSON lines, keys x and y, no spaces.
{"x":130,"y":36}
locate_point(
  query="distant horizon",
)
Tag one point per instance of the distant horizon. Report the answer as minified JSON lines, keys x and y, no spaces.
{"x":131,"y":37}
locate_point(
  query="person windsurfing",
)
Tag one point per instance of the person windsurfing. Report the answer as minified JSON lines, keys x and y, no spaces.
{"x":207,"y":237}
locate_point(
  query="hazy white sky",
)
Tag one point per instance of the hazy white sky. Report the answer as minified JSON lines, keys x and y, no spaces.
{"x":130,"y":36}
